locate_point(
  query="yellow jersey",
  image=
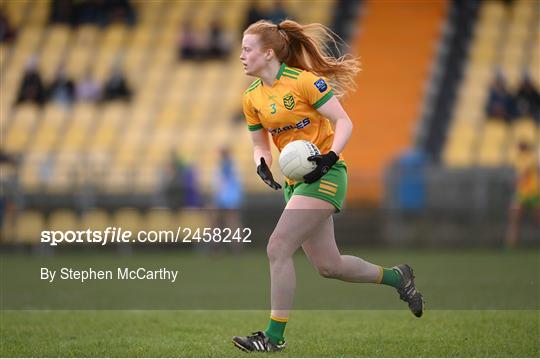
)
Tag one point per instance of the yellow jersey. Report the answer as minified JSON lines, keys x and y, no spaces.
{"x":528,"y":185}
{"x":288,"y":109}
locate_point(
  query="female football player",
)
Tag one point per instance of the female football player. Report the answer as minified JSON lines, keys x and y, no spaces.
{"x":295,"y":97}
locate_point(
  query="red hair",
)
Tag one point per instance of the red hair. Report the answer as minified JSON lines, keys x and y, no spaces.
{"x":304,"y":47}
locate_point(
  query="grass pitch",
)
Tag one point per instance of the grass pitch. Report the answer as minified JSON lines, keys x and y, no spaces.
{"x":469,"y":296}
{"x":361,"y":333}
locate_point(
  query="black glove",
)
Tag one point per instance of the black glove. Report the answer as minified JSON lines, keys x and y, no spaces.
{"x":324,"y":163}
{"x":264,"y":172}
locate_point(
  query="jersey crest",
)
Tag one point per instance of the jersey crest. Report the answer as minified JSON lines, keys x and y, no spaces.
{"x":288,"y":101}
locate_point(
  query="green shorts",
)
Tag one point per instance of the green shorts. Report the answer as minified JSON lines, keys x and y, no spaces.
{"x":331,"y":188}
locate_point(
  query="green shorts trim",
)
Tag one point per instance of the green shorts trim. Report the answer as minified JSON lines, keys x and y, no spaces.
{"x":529,"y":201}
{"x":331,"y":188}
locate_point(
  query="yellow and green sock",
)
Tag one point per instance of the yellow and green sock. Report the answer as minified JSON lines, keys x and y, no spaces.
{"x":390,"y":276}
{"x":275,"y":330}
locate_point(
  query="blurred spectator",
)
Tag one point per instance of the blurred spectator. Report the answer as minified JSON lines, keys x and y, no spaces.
{"x":192,"y":193}
{"x":227,"y":196}
{"x":62,"y":12}
{"x":90,"y":12}
{"x":98,"y":12}
{"x":116,"y":87}
{"x":227,"y":186}
{"x":7,"y":32}
{"x":88,"y":89}
{"x":6,"y":158}
{"x":219,"y":42}
{"x":120,"y":11}
{"x":174,"y":187}
{"x":182,"y":187}
{"x":528,"y":99}
{"x":527,"y":196}
{"x":9,"y":166}
{"x":62,"y":89}
{"x":500,"y":103}
{"x":46,"y":170}
{"x":190,"y":46}
{"x":254,"y":14}
{"x":278,"y":13}
{"x":31,"y":89}
{"x":238,"y":117}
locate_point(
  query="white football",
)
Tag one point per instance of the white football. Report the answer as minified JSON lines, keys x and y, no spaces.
{"x":293,"y":159}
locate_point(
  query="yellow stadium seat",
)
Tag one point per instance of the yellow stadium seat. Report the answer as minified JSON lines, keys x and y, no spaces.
{"x":118,"y":180}
{"x":63,"y":220}
{"x":3,"y":55}
{"x":25,"y":115}
{"x":458,"y":156}
{"x":28,"y":227}
{"x":80,"y":58}
{"x":165,"y":114}
{"x":79,"y":127}
{"x":141,"y":37}
{"x":141,"y":114}
{"x":113,"y":36}
{"x":104,"y":137}
{"x":15,"y":11}
{"x":52,"y":54}
{"x":192,"y":218}
{"x":27,"y":40}
{"x":524,"y":129}
{"x":78,"y":62}
{"x":95,"y":219}
{"x":84,"y":113}
{"x":128,"y":219}
{"x":97,"y":162}
{"x":126,"y":156}
{"x":159,"y":219}
{"x":533,"y":68}
{"x":49,"y":129}
{"x":65,"y":171}
{"x":458,"y":150}
{"x":133,"y":63}
{"x":38,"y":13}
{"x":147,"y":179}
{"x":500,"y":42}
{"x":491,"y":156}
{"x":30,"y":177}
{"x":19,"y":129}
{"x":492,"y":10}
{"x":75,"y":138}
{"x":156,"y":153}
{"x":132,"y":141}
{"x":105,"y":61}
{"x":150,"y":12}
{"x":61,"y":181}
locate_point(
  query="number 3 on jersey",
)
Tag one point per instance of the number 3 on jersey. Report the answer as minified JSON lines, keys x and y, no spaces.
{"x":273,"y":107}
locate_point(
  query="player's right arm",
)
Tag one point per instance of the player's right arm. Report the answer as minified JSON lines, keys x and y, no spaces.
{"x":262,"y":154}
{"x":263,"y":157}
{"x":261,"y":147}
{"x":259,"y":137}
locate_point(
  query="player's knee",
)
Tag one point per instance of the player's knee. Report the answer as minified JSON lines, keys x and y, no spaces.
{"x":329,"y":271}
{"x":273,"y":250}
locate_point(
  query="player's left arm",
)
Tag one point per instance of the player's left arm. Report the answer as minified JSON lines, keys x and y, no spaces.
{"x":320,"y":96}
{"x":333,"y":111}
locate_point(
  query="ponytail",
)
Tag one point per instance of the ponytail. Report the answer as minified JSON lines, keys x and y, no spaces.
{"x":304,"y":47}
